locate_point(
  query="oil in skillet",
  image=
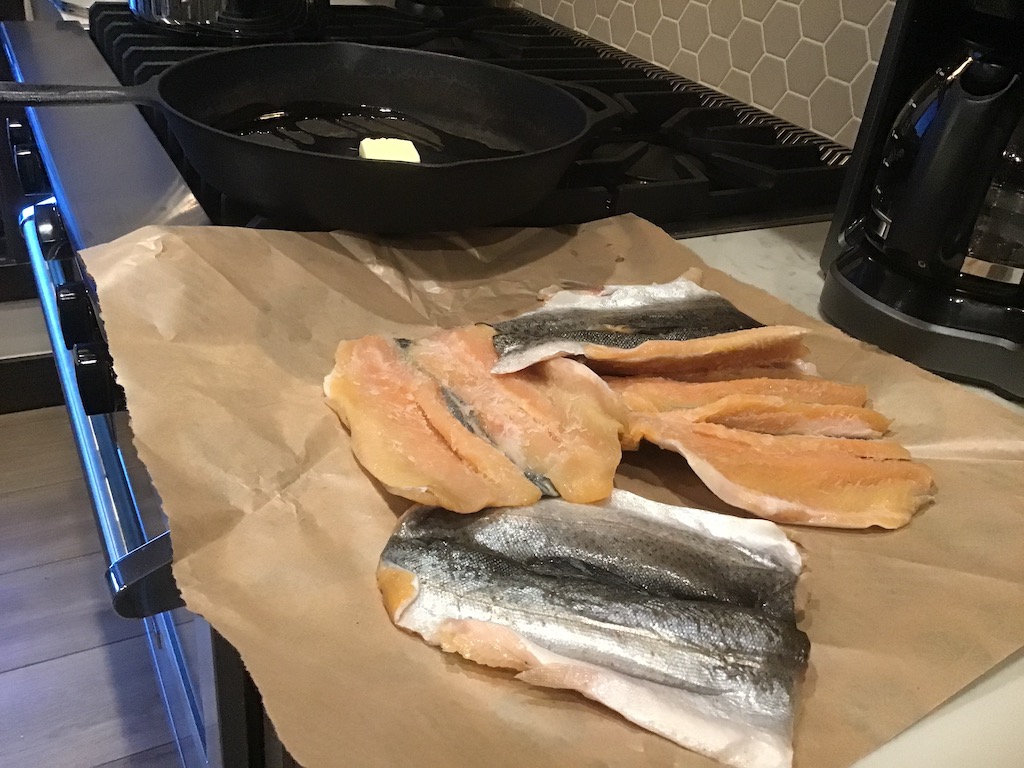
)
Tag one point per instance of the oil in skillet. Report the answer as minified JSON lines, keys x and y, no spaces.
{"x":337,"y":129}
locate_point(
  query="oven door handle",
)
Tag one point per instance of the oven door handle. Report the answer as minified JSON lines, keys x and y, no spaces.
{"x":141,"y":582}
{"x":139,"y":568}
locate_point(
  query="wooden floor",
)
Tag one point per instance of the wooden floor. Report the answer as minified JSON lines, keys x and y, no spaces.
{"x":77,"y":687}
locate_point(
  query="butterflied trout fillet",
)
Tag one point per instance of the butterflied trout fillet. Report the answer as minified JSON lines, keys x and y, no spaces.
{"x":760,"y":413}
{"x":679,"y":619}
{"x":777,"y":416}
{"x":796,"y":369}
{"x":823,"y":481}
{"x":404,"y":432}
{"x":773,"y":406}
{"x":557,"y":421}
{"x":672,"y":328}
{"x":644,"y":393}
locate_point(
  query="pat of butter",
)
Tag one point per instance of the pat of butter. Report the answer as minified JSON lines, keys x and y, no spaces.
{"x":402,"y":150}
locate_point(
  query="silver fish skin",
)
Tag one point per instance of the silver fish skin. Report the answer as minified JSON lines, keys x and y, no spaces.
{"x":743,"y":661}
{"x":620,"y":316}
{"x":689,"y":564}
{"x":525,"y":589}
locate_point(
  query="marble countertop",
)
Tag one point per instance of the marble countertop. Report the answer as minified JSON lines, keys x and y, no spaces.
{"x":782,"y":261}
{"x":981,"y":726}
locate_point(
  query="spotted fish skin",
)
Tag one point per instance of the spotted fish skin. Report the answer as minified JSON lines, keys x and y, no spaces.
{"x":741,"y":657}
{"x":689,"y":565}
{"x":672,"y":329}
{"x":667,"y":626}
{"x":627,"y":328}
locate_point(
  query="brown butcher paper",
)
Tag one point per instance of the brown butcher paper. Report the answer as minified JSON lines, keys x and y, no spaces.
{"x":221,"y":338}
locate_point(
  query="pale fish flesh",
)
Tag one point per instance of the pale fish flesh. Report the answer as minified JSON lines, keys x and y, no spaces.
{"x":774,"y":406}
{"x":673,"y":328}
{"x":643,"y":393}
{"x":407,"y":433}
{"x":679,"y":619}
{"x":557,"y":421}
{"x":823,"y":481}
{"x":431,"y":422}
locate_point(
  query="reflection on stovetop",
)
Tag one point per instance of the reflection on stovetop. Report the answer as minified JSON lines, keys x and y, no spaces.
{"x":683,"y":156}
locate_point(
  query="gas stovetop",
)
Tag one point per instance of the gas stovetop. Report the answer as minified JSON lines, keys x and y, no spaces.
{"x":684,"y":156}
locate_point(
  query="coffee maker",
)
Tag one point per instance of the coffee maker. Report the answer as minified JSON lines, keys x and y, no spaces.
{"x":925,"y":255}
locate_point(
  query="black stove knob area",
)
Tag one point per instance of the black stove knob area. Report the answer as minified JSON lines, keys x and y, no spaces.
{"x":29,"y":165}
{"x":27,"y":161}
{"x":50,"y":231}
{"x":77,"y":321}
{"x":49,"y":227}
{"x":94,"y":372}
{"x":18,"y":132}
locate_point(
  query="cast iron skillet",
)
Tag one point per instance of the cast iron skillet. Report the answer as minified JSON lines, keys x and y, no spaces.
{"x":522,"y":132}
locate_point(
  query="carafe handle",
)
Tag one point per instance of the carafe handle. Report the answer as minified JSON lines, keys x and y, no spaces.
{"x":958,"y":145}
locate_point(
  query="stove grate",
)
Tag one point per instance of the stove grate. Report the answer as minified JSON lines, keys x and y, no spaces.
{"x":684,"y":156}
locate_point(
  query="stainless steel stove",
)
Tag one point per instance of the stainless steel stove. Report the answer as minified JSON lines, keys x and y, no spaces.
{"x":684,"y":156}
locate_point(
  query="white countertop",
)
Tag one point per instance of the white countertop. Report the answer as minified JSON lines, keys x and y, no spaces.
{"x":983,"y":726}
{"x":782,"y":261}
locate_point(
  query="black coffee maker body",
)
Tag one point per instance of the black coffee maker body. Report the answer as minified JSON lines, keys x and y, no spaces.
{"x":925,"y":256}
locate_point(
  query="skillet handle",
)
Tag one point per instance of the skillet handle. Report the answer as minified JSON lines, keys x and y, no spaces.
{"x":603,"y":110}
{"x":28,"y":95}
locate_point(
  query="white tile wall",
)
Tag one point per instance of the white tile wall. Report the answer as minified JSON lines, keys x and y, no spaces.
{"x":807,"y":61}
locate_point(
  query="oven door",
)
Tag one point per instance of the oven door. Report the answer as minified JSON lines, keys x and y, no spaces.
{"x":206,"y":691}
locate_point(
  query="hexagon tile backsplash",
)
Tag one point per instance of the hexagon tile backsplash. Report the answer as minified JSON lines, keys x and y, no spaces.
{"x":810,"y":62}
